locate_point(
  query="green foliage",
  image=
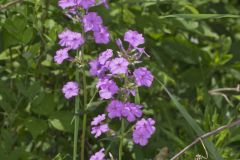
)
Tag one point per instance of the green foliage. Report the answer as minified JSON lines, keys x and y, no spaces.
{"x":194,"y":47}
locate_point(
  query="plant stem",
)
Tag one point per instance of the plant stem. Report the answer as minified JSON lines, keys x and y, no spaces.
{"x":85,"y":97}
{"x":76,"y":118}
{"x":121,"y":141}
{"x":84,"y":115}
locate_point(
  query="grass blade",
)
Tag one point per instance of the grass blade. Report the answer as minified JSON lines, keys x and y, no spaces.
{"x":209,"y":145}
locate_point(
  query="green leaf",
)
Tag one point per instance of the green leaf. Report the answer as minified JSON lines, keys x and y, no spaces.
{"x":44,"y":104}
{"x":61,"y":120}
{"x":36,"y":126}
{"x":191,"y":122}
{"x":27,"y":35}
{"x":200,"y":16}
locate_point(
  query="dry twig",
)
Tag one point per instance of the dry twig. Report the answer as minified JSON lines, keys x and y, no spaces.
{"x":4,"y":6}
{"x":206,"y":135}
{"x":219,"y":91}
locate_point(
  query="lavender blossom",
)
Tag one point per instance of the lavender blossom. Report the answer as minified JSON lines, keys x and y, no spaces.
{"x":97,"y":127}
{"x":133,"y":38}
{"x":92,"y":21}
{"x":119,"y":66}
{"x":66,"y":3}
{"x":143,"y":77}
{"x":70,"y":39}
{"x":143,"y":131}
{"x":97,"y":120}
{"x":86,"y":4}
{"x":99,"y":130}
{"x":102,"y":35}
{"x":98,"y":155}
{"x":114,"y":109}
{"x":107,"y":88}
{"x":132,"y":111}
{"x":104,"y":56}
{"x":70,"y":89}
{"x":61,"y":55}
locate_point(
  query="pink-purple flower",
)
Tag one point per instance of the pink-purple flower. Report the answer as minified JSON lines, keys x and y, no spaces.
{"x":66,"y":3}
{"x":132,"y":111}
{"x":133,"y":38}
{"x":92,"y":21}
{"x":115,"y":108}
{"x":96,"y":69}
{"x":61,"y":55}
{"x":70,"y":89}
{"x":143,"y":130}
{"x":119,"y":66}
{"x":70,"y":39}
{"x":98,"y":127}
{"x":97,"y":120}
{"x":107,"y":88}
{"x":104,"y":56}
{"x":98,"y":155}
{"x":102,"y":35}
{"x":86,"y":4}
{"x":143,"y":77}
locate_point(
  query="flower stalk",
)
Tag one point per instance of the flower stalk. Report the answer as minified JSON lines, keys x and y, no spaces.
{"x":76,"y":118}
{"x":120,"y":151}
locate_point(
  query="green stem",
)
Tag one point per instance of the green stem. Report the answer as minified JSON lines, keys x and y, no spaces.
{"x":85,"y":114}
{"x":76,"y":117}
{"x":85,"y":97}
{"x":120,"y":151}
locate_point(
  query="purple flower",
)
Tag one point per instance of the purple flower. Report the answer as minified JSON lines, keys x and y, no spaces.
{"x":139,"y":137}
{"x":70,"y":39}
{"x":133,"y":38}
{"x":118,"y":66}
{"x":102,"y":35}
{"x":96,"y":69}
{"x":61,"y":55}
{"x":98,"y":155}
{"x":104,"y":2}
{"x":107,"y":88}
{"x":66,"y":3}
{"x":132,"y":111}
{"x":86,"y":3}
{"x":115,"y":108}
{"x":104,"y":56}
{"x":99,"y":129}
{"x":143,"y":131}
{"x":97,"y":120}
{"x":143,"y":77}
{"x":146,"y":125}
{"x":92,"y":22}
{"x":70,"y":89}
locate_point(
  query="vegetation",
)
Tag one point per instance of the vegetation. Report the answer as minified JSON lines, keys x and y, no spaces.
{"x":194,"y":47}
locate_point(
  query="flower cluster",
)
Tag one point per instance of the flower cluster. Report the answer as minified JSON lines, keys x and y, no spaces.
{"x":119,"y":74}
{"x":118,"y":77}
{"x":70,"y":40}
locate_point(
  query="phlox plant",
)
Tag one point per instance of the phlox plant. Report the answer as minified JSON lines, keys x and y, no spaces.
{"x":119,"y":74}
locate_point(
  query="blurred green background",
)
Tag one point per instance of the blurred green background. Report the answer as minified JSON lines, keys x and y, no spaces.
{"x":194,"y":47}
